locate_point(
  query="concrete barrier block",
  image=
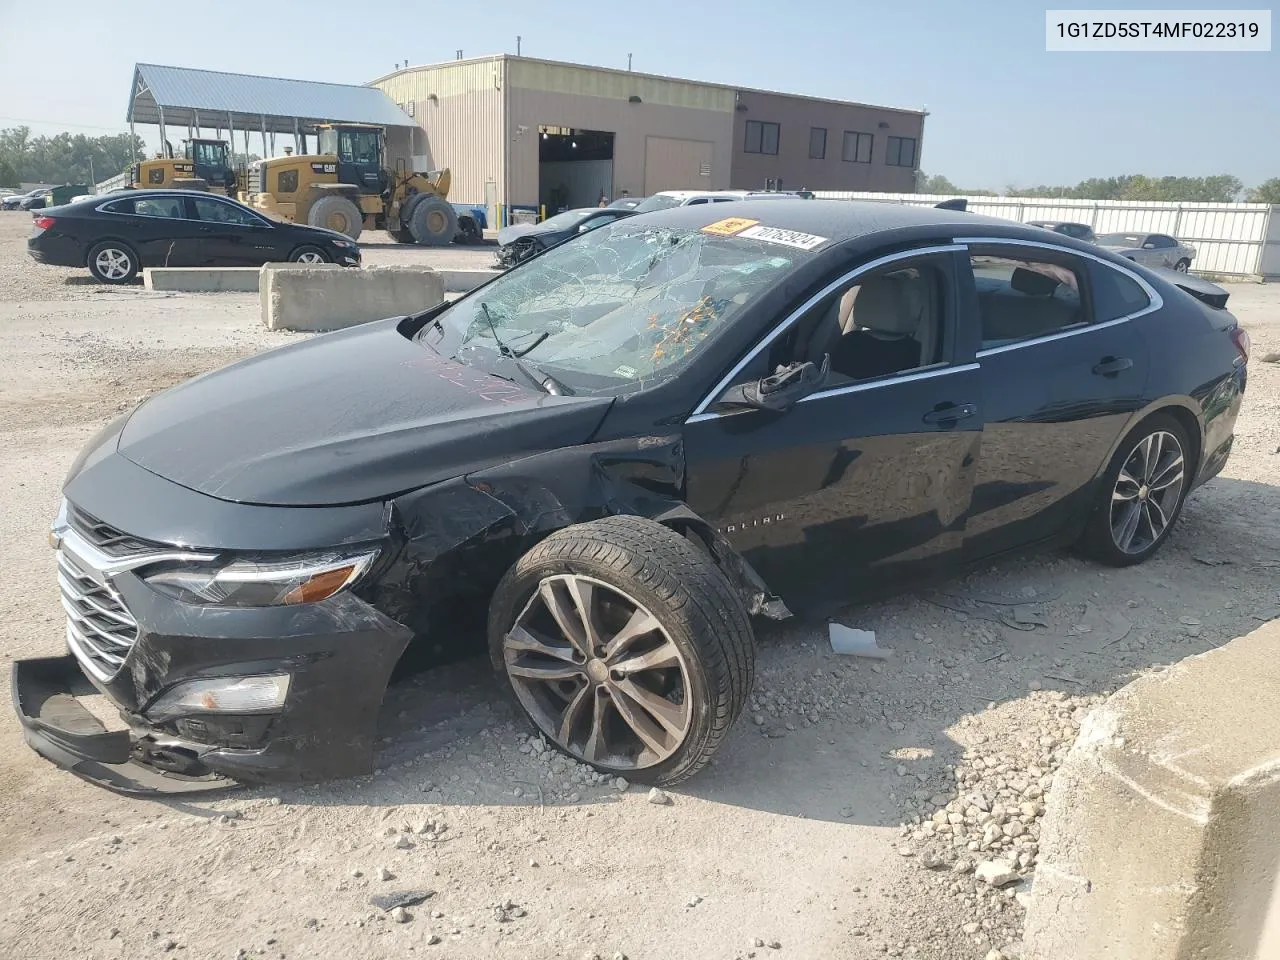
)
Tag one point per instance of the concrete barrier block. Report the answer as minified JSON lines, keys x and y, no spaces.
{"x":201,"y":279}
{"x":464,"y":281}
{"x":329,"y":297}
{"x":1162,"y":836}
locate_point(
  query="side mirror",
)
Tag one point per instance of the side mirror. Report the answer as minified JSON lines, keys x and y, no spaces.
{"x":1148,"y":246}
{"x":781,"y":391}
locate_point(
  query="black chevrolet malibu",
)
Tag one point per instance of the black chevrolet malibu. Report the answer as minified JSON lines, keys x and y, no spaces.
{"x":117,"y":234}
{"x":615,"y":456}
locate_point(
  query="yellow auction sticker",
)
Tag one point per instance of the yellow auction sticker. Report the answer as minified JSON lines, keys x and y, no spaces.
{"x":729,"y":227}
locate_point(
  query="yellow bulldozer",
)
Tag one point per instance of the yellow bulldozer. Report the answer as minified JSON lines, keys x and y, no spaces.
{"x":345,"y":187}
{"x":204,"y":165}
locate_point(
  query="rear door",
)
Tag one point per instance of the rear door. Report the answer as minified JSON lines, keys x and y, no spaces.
{"x":870,"y":478}
{"x":1062,"y":370}
{"x":231,"y":236}
{"x":158,"y":226}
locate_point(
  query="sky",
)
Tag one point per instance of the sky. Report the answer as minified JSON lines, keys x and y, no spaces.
{"x":1002,"y":111}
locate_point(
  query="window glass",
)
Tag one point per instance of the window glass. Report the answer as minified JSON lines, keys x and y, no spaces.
{"x":1115,"y":295}
{"x":888,"y":322}
{"x":902,"y":152}
{"x":208,"y":154}
{"x":120,"y":206}
{"x":1020,"y":299}
{"x":1162,"y":242}
{"x":817,"y":143}
{"x":358,"y":146}
{"x":761,"y":137}
{"x":218,"y":212}
{"x":857,"y":147}
{"x":170,"y":207}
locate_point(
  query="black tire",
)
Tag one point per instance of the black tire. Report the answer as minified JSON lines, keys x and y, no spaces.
{"x":690,"y":597}
{"x":401,"y":235}
{"x":1183,"y":265}
{"x":112,"y":262}
{"x":337,"y":213}
{"x":308,"y":254}
{"x":1099,"y":539}
{"x":469,"y":231}
{"x":433,"y":222}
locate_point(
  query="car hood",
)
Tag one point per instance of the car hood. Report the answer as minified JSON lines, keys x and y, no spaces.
{"x":515,"y":232}
{"x":347,"y":417}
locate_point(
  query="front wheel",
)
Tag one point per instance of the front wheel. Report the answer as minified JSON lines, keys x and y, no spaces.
{"x":1141,"y":494}
{"x":308,"y":255}
{"x":1183,"y":265}
{"x":113,"y":262}
{"x":626,"y":646}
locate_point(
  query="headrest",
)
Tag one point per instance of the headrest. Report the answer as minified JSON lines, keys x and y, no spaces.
{"x":1032,"y":283}
{"x":891,"y":304}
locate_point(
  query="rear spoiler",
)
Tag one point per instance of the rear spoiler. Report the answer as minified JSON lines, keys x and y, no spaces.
{"x":959,"y":203}
{"x":1202,"y":290}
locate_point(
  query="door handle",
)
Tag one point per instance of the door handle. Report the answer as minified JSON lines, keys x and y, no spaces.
{"x":950,"y":413}
{"x":1110,"y":366}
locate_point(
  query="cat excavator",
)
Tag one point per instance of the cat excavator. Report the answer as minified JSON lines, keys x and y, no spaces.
{"x":346,"y":187}
{"x":204,"y":165}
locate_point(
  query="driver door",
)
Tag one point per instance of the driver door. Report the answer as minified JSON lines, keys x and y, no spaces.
{"x":869,"y":476}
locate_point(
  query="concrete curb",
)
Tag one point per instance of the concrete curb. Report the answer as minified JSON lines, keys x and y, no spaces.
{"x":247,"y":279}
{"x":1162,"y":836}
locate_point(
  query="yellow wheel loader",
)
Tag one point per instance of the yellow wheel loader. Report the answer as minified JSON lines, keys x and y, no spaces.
{"x":346,"y":188}
{"x":204,"y":165}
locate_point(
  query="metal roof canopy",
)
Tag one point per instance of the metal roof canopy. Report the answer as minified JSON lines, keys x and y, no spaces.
{"x":180,"y":96}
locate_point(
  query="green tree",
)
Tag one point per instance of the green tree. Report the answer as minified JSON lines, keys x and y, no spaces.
{"x":8,"y":175}
{"x":1266,"y":192}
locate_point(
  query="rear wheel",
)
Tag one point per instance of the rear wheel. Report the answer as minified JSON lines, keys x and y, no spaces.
{"x":113,"y":262}
{"x":626,"y":646}
{"x":308,"y":255}
{"x":433,"y":222}
{"x":1183,"y":265}
{"x":1141,"y":494}
{"x":336,"y":213}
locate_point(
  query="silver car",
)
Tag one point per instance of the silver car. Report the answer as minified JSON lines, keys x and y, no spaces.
{"x":1150,"y":249}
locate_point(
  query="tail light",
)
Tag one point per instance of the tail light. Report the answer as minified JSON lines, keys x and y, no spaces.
{"x":44,"y":223}
{"x":1240,"y":337}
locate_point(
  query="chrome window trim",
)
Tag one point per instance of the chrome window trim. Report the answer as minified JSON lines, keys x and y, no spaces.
{"x":700,"y":411}
{"x":146,"y":216}
{"x":933,"y":370}
{"x":1155,"y":303}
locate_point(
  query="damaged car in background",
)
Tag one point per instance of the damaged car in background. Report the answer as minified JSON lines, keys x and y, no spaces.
{"x":521,"y":241}
{"x":600,"y":466}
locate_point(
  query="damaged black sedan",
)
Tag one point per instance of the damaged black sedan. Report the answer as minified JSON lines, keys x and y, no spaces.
{"x":603,"y":464}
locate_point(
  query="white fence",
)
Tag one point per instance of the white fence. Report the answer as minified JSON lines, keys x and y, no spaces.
{"x":1233,"y":239}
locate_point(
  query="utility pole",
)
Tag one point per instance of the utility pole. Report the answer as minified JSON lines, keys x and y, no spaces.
{"x":517,"y":45}
{"x":628,"y":63}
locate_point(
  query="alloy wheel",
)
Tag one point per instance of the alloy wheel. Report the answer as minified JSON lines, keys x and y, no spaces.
{"x":113,"y":264}
{"x":1147,"y":492}
{"x":1182,"y":266}
{"x":309,"y":256}
{"x":599,"y":674}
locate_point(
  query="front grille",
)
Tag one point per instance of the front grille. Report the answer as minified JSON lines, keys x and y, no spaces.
{"x":108,"y":539}
{"x":100,"y":630}
{"x":254,"y":179}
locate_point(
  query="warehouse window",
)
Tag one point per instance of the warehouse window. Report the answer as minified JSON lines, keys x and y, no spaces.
{"x":857,"y":147}
{"x":817,"y":143}
{"x":902,"y":152}
{"x":761,"y":137}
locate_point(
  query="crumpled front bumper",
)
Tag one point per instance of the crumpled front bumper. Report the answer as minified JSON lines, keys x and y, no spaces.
{"x":339,"y":654}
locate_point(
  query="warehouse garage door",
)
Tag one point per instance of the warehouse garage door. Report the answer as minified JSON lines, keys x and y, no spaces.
{"x":671,"y":164}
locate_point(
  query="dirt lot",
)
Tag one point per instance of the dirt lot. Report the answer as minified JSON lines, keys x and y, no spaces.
{"x":791,"y":845}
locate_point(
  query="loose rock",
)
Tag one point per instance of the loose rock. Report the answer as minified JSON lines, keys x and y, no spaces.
{"x":659,"y":797}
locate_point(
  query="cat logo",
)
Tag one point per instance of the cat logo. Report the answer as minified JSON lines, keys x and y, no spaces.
{"x":324,"y":168}
{"x":743,"y":525}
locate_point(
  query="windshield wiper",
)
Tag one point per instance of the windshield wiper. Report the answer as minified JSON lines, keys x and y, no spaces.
{"x":544,"y":381}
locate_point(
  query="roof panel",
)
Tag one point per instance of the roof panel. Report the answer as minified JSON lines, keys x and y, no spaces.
{"x":181,"y":92}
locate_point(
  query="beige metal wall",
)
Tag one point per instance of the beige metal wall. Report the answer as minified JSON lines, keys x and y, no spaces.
{"x":795,"y":116}
{"x":671,"y":164}
{"x":459,"y":106}
{"x":631,"y":123}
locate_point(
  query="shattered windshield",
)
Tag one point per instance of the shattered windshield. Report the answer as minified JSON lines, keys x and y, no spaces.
{"x":621,"y":307}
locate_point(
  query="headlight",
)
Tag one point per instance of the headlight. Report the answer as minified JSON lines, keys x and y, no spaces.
{"x":344,"y":244}
{"x":248,"y":583}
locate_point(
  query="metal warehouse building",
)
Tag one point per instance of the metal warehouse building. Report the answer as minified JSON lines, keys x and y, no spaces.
{"x":518,"y":132}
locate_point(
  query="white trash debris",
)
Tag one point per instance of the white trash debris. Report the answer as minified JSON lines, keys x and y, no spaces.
{"x":856,"y":643}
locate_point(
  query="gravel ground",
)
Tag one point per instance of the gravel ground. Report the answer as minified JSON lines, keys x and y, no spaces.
{"x":859,"y":809}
